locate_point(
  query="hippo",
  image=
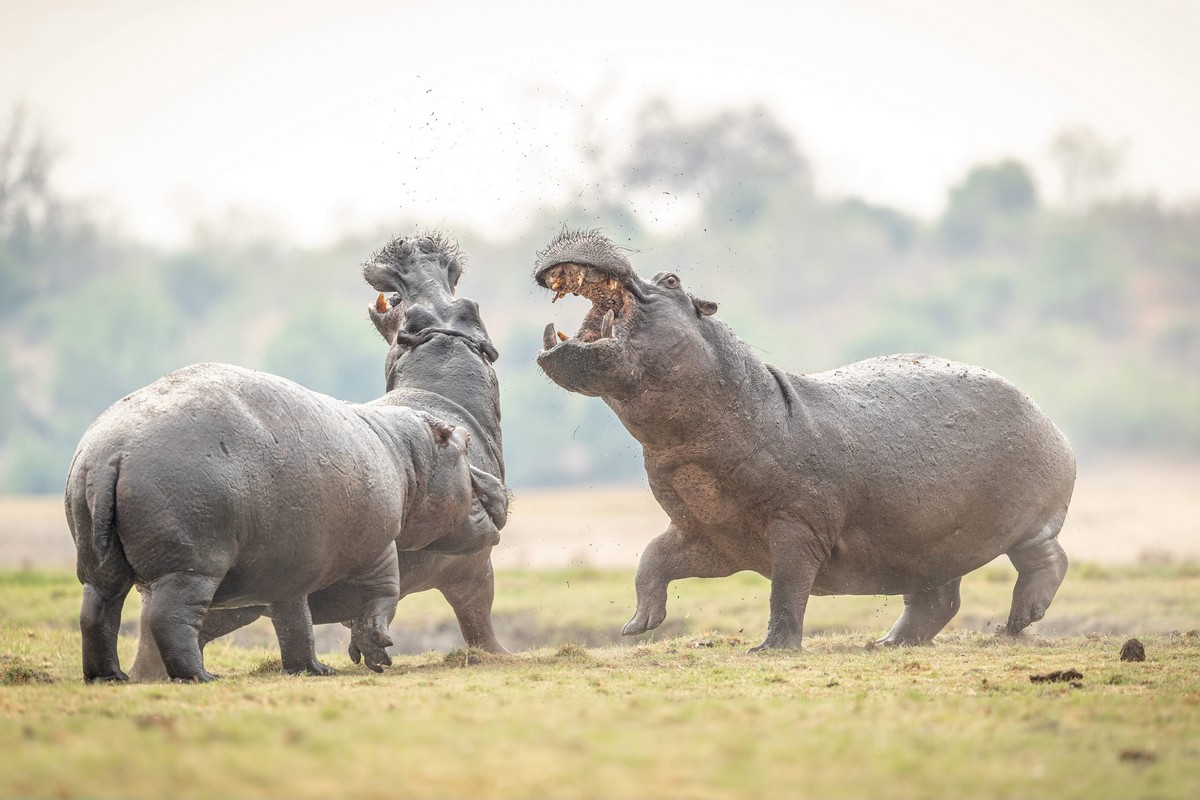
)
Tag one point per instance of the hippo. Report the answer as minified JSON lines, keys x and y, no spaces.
{"x":219,"y":487}
{"x":439,"y":360}
{"x":893,"y":475}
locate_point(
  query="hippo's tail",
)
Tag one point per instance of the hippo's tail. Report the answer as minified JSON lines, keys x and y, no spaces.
{"x":112,"y":573}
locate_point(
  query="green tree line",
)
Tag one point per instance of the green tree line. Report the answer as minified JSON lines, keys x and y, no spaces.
{"x":1089,"y":305}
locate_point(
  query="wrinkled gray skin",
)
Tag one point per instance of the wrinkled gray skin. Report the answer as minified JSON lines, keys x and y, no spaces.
{"x":219,"y":487}
{"x":439,"y":361}
{"x":894,"y":475}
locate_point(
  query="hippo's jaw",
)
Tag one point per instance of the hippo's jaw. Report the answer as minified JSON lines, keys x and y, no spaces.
{"x":591,"y":361}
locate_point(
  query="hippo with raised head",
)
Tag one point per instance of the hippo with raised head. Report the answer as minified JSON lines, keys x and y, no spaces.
{"x":439,"y":361}
{"x":894,"y":475}
{"x":218,"y":487}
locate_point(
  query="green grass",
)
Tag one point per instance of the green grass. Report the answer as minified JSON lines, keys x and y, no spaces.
{"x":684,"y":716}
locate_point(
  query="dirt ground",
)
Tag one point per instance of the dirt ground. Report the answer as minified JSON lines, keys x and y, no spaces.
{"x":1123,"y":512}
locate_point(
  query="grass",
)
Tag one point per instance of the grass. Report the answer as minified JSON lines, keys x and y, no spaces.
{"x":689,"y":715}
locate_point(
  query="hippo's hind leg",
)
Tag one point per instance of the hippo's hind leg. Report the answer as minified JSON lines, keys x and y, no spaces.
{"x":925,"y":614}
{"x":99,"y":621}
{"x":176,"y":612}
{"x":1041,"y":566}
{"x":294,"y":630}
{"x":471,"y":598}
{"x":380,"y":591}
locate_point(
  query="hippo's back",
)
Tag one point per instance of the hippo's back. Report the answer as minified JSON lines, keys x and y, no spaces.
{"x":943,"y":465}
{"x":220,"y":460}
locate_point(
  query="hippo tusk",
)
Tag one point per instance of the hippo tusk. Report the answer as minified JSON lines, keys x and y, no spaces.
{"x":562,"y":336}
{"x":606,"y":324}
{"x":381,"y":304}
{"x":548,"y":340}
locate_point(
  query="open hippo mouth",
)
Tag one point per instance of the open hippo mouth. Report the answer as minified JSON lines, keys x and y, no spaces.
{"x":612,"y":303}
{"x":595,"y":361}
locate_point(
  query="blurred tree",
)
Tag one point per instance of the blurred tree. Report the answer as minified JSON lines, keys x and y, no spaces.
{"x":1088,"y":165}
{"x":1081,"y":275}
{"x":44,"y":241}
{"x":331,"y":350}
{"x":118,"y":338}
{"x":734,"y":161}
{"x":992,"y":206}
{"x":193,"y":282}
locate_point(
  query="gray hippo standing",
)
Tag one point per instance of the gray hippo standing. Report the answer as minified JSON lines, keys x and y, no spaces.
{"x":894,"y":475}
{"x":439,"y":360}
{"x":219,"y":487}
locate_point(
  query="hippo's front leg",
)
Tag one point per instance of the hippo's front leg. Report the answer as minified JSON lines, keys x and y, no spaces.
{"x":796,"y":558}
{"x":670,"y":556}
{"x":369,"y":637}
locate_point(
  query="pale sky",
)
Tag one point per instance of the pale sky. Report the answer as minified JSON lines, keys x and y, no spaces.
{"x":324,"y":117}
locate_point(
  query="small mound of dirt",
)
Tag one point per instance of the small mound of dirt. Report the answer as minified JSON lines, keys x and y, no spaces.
{"x":467,"y":657}
{"x":1133,"y":650}
{"x":1058,"y":676}
{"x":16,"y":671}
{"x":573,"y":652}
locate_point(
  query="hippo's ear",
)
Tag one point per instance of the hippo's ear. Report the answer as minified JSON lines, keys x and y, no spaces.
{"x":704,"y":308}
{"x":387,"y":315}
{"x":441,"y":431}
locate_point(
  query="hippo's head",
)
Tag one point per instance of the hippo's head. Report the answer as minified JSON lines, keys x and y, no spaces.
{"x":635,"y":331}
{"x":458,"y":508}
{"x":422,"y":315}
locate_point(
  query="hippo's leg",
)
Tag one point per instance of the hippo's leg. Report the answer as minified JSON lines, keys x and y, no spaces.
{"x":471,"y":598}
{"x":220,"y":621}
{"x":925,"y":614}
{"x":670,"y":556}
{"x":180,"y":601}
{"x":147,"y":664}
{"x":369,"y":635}
{"x":99,"y":621}
{"x":1041,"y":566}
{"x":796,"y":558}
{"x":294,"y":629}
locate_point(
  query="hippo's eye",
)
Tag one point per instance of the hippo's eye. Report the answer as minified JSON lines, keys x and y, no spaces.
{"x":672,"y":281}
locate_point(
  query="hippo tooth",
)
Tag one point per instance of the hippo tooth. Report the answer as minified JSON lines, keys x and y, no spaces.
{"x":612,"y":284}
{"x":554,"y":283}
{"x":579,"y":281}
{"x":558,"y":296}
{"x":562,"y":336}
{"x":548,"y":338}
{"x":606,"y":325}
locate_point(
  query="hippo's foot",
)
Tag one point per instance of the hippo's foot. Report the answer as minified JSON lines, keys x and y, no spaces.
{"x":369,"y":641}
{"x":642,"y":623}
{"x":312,"y":668}
{"x":925,"y":614}
{"x":646,"y":619}
{"x":1041,"y":567}
{"x":203,"y":676}
{"x":117,"y":677}
{"x":777,"y":643}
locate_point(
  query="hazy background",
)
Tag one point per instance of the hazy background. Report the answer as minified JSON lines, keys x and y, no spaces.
{"x":1012,"y":184}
